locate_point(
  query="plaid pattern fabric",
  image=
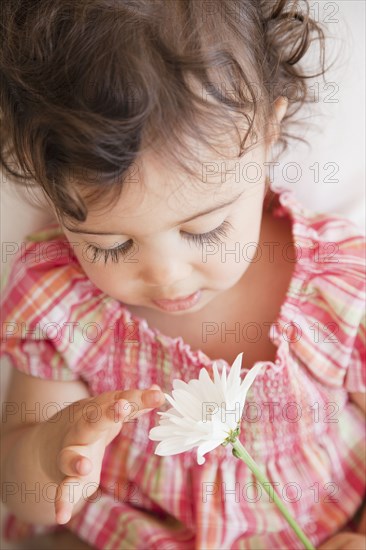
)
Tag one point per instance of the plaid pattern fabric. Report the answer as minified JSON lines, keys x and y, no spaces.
{"x":299,"y":423}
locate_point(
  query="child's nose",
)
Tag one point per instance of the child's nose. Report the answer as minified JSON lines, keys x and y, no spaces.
{"x":165,"y":272}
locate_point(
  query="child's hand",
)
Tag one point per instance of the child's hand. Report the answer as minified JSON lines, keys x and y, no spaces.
{"x":345,"y":541}
{"x":72,"y":446}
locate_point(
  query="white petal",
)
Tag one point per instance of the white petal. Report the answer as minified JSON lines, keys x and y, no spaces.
{"x":204,"y":427}
{"x":169,"y":412}
{"x":172,"y":446}
{"x":234,"y":373}
{"x":209,"y":391}
{"x":224,"y":380}
{"x":189,"y":402}
{"x":207,"y":386}
{"x":195,"y":388}
{"x":219,"y":386}
{"x":183,"y":410}
{"x":205,"y":448}
{"x":195,"y":440}
{"x":204,"y":376}
{"x":216,"y":373}
{"x":216,"y":430}
{"x":249,"y":379}
{"x":160,"y":433}
{"x":180,"y":385}
{"x":185,"y":423}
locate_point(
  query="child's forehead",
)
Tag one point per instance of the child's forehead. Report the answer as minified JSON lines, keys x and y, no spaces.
{"x":156,"y":184}
{"x":165,"y":193}
{"x":162,"y":189}
{"x":202,"y":166}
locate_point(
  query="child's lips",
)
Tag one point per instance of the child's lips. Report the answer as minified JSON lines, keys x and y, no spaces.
{"x":174,"y":299}
{"x":184,"y":302}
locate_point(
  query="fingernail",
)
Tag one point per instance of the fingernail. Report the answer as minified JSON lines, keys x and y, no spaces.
{"x":62,"y":517}
{"x":154,"y":396}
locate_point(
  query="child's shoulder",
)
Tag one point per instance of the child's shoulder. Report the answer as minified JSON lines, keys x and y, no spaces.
{"x":42,"y":274}
{"x":332,"y":254}
{"x":326,"y":224}
{"x":332,"y":294}
{"x":55,"y":320}
{"x":328,"y":243}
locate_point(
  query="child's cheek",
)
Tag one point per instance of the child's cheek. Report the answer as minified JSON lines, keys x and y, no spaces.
{"x":226,"y":266}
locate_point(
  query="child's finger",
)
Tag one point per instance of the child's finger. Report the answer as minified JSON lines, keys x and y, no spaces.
{"x":67,"y":495}
{"x":72,"y":463}
{"x":139,"y":402}
{"x":98,"y":417}
{"x":139,"y":399}
{"x":153,"y":397}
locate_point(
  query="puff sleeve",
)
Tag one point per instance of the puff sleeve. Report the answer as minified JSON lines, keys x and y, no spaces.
{"x":44,"y":299}
{"x":331,"y":308}
{"x":355,"y":379}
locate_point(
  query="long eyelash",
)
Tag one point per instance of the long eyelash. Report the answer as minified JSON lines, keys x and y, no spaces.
{"x":212,"y":237}
{"x":113,"y":253}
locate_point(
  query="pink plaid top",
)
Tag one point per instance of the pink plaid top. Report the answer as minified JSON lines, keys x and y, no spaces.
{"x":299,"y":423}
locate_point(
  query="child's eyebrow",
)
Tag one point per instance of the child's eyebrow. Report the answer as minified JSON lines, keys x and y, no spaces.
{"x":203,"y":213}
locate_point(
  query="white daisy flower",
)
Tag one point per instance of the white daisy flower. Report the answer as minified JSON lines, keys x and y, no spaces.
{"x":205,"y":413}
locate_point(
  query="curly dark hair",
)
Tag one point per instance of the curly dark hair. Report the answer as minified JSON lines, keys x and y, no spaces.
{"x":88,"y":85}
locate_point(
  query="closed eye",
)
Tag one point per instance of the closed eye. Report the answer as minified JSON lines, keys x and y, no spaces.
{"x":113,"y":253}
{"x":212,"y":237}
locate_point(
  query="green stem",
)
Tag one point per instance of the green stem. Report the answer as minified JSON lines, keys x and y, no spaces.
{"x":242,"y":453}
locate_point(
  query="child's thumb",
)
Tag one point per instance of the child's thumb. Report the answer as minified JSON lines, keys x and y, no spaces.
{"x":154,"y":387}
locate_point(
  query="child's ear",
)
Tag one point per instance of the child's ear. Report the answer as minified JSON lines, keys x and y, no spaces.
{"x":280,"y":108}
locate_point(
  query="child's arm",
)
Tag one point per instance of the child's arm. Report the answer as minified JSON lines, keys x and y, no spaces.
{"x":360,"y":399}
{"x":26,"y":405}
{"x":348,"y":540}
{"x":37,"y":450}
